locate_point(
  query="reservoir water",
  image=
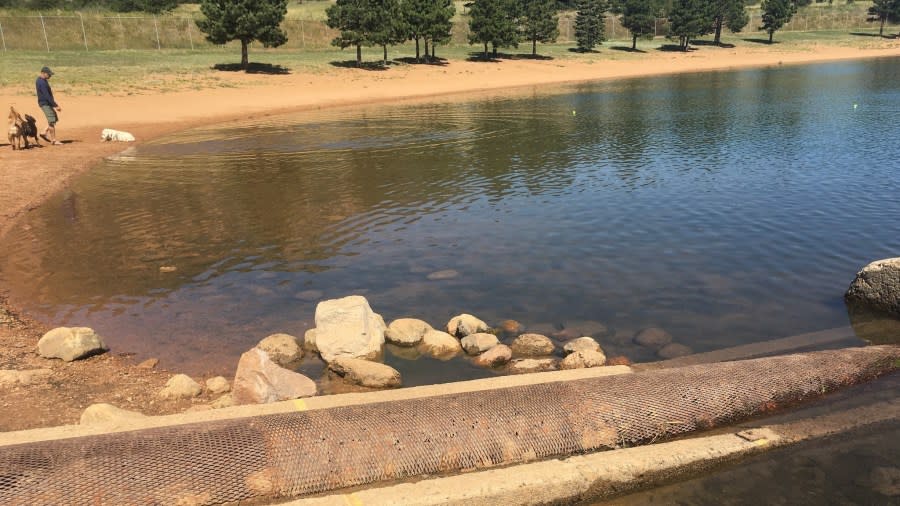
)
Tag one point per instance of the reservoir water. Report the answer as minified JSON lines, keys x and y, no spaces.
{"x":726,"y":207}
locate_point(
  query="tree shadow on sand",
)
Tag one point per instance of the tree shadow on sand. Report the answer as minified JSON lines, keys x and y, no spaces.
{"x":675,"y":48}
{"x":576,"y":50}
{"x":253,"y":68}
{"x":711,"y":43}
{"x":885,"y":36}
{"x":627,"y":49}
{"x":366,"y":65}
{"x":411,"y":60}
{"x":763,"y":41}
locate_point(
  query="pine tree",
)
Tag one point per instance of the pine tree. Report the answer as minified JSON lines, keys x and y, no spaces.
{"x":243,"y":20}
{"x":730,"y":13}
{"x":886,"y":10}
{"x":440,"y":24}
{"x":492,"y":22}
{"x":639,"y":18}
{"x":351,"y":17}
{"x":386,"y":24}
{"x":775,"y":14}
{"x":538,"y":22}
{"x":688,"y":20}
{"x":416,"y":15}
{"x":590,"y":23}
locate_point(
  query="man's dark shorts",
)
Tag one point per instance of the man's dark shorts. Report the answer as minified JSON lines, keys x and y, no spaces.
{"x":51,"y":114}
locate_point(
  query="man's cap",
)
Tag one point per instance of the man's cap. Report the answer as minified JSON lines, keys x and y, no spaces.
{"x":46,"y":70}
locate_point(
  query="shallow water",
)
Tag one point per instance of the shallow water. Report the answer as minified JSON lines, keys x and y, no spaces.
{"x":726,"y":207}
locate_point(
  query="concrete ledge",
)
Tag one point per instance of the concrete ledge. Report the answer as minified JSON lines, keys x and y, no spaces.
{"x":310,"y":403}
{"x":607,"y":474}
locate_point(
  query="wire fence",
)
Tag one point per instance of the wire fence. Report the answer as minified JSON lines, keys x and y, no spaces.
{"x":104,"y":32}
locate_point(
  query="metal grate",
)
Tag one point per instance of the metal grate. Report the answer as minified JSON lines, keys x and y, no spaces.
{"x":293,"y":454}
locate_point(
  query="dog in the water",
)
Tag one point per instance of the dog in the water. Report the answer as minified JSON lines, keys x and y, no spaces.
{"x":108,"y":134}
{"x":20,"y":129}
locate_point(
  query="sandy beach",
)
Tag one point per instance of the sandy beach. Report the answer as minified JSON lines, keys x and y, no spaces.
{"x":28,"y":177}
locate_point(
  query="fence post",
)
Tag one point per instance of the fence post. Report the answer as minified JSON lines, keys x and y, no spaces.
{"x":156,"y":29}
{"x":190,"y":37}
{"x":302,"y":35}
{"x":2,"y":38}
{"x":44,"y":28}
{"x":83,"y":32}
{"x":122,"y":30}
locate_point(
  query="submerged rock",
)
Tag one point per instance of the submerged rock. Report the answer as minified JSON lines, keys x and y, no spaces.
{"x":282,"y":349}
{"x":581,"y":344}
{"x":446,"y":274}
{"x":653,"y":337}
{"x":406,"y":331}
{"x":365,"y":373}
{"x":479,"y":343}
{"x":70,"y":343}
{"x":258,"y":380}
{"x":619,"y":360}
{"x":877,"y":287}
{"x":532,"y":345}
{"x":348,"y":327}
{"x":439,"y":345}
{"x":494,"y":357}
{"x":180,"y":386}
{"x":674,"y":350}
{"x":511,"y":327}
{"x":465,"y":324}
{"x":583,"y":359}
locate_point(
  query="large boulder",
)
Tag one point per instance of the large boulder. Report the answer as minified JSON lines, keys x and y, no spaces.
{"x":653,"y":337}
{"x":406,"y":331}
{"x":877,"y":287}
{"x":107,"y":413}
{"x":258,"y":380}
{"x":180,"y":386}
{"x":465,"y":324}
{"x":71,"y":343}
{"x":439,"y":345}
{"x":282,"y":349}
{"x":581,"y":344}
{"x":531,"y":345}
{"x":583,"y":359}
{"x":365,"y":373}
{"x":348,"y":327}
{"x":479,"y":343}
{"x":494,"y":357}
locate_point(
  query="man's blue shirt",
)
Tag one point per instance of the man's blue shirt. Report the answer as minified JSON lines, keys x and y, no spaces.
{"x":44,"y":93}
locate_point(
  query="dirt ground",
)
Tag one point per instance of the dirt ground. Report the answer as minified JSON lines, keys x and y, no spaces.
{"x":28,"y":177}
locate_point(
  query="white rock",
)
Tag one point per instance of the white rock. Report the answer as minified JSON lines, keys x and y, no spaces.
{"x":532,"y":345}
{"x":309,"y":341}
{"x":365,"y":373}
{"x":494,"y":357}
{"x":530,"y":365}
{"x":70,"y":343}
{"x":259,"y":380}
{"x":406,"y":331}
{"x":218,"y":385}
{"x":180,"y":386}
{"x":439,"y":345}
{"x":225,"y":401}
{"x":281,"y":348}
{"x":27,"y":377}
{"x":348,"y":327}
{"x":107,"y":413}
{"x":479,"y":343}
{"x":583,"y":359}
{"x":465,"y":324}
{"x":581,"y":344}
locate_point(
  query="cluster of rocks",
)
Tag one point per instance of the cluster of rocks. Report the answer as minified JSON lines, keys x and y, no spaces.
{"x":661,"y":342}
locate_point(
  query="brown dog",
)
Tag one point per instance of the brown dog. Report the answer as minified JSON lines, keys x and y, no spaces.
{"x":21,"y":129}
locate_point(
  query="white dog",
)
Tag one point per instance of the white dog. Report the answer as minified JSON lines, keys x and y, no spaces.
{"x":108,"y":134}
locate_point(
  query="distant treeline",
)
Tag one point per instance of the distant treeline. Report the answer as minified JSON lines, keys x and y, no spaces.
{"x":153,"y":6}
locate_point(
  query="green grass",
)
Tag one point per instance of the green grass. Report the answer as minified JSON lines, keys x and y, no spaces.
{"x":150,"y":71}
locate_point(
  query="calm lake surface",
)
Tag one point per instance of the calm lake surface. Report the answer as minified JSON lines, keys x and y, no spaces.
{"x":725,"y":207}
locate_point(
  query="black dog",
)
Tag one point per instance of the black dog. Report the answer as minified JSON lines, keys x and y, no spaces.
{"x":29,"y":129}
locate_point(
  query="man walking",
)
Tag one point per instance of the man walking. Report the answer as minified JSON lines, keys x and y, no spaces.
{"x":48,"y":105}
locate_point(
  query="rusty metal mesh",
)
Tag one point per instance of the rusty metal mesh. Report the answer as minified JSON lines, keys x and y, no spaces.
{"x":293,"y":454}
